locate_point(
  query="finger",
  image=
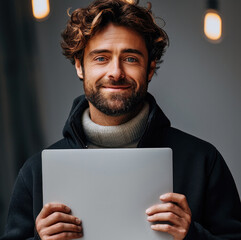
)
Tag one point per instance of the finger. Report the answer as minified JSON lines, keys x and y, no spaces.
{"x":62,"y":227}
{"x":50,"y":208}
{"x":166,"y":207}
{"x":65,"y":236}
{"x":61,"y":217}
{"x":167,"y":217}
{"x":177,"y":233}
{"x":177,"y":198}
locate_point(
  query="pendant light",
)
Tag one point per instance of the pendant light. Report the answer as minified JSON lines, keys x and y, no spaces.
{"x":40,"y":8}
{"x":213,"y":22}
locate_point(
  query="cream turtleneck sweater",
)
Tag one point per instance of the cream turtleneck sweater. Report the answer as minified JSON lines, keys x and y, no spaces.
{"x":126,"y":135}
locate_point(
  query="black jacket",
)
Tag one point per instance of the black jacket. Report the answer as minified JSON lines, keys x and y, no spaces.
{"x":200,"y":173}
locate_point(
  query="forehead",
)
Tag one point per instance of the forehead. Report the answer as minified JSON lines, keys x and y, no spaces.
{"x":115,"y":38}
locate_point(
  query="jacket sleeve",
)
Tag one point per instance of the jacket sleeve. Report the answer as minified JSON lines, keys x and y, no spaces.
{"x":20,"y":223}
{"x":222,"y":212}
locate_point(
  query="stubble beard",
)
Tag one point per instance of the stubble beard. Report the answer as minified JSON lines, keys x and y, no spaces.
{"x":116,"y":104}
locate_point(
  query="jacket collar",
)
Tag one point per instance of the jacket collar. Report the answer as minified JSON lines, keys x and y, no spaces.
{"x":74,"y":133}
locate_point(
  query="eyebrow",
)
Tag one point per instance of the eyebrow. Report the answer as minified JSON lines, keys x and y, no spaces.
{"x":125,"y":50}
{"x":98,"y":51}
{"x":131,"y":50}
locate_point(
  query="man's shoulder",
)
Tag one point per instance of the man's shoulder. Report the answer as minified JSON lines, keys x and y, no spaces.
{"x":192,"y":155}
{"x":162,"y":133}
{"x":34,"y":163}
{"x":185,"y":142}
{"x":181,"y":135}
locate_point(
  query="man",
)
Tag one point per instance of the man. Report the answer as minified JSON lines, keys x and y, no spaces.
{"x":116,"y":47}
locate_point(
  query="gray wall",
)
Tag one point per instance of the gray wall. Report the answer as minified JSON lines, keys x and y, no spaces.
{"x":198,"y":85}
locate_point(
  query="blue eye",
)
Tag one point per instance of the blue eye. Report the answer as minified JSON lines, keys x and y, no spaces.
{"x":131,"y":59}
{"x":100,"y":59}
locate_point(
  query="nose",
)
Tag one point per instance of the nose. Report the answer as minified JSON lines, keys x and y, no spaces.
{"x":115,"y":71}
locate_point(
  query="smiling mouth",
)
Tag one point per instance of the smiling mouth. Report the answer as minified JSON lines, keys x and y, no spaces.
{"x":117,"y":87}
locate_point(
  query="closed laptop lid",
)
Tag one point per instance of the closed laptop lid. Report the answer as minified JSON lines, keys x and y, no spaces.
{"x":109,"y":189}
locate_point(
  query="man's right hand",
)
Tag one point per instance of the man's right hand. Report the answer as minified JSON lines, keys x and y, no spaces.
{"x":55,"y":222}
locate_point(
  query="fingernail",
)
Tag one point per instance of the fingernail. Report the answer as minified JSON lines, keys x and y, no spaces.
{"x":153,"y":226}
{"x":149,"y":218}
{"x":77,"y":221}
{"x":163,"y":196}
{"x":148,"y":211}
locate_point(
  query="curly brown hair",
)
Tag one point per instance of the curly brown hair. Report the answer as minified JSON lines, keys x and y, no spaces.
{"x":85,"y":22}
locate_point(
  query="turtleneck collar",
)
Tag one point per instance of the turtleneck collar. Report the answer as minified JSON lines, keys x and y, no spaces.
{"x":124,"y":135}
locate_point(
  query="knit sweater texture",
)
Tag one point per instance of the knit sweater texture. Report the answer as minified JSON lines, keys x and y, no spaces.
{"x":126,"y":135}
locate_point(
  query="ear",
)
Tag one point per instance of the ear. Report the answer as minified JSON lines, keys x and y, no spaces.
{"x":78,"y":68}
{"x":151,"y":70}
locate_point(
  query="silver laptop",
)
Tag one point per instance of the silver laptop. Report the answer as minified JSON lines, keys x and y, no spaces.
{"x":109,"y":189}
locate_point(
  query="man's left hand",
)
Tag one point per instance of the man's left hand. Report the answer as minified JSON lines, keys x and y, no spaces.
{"x":175,"y":214}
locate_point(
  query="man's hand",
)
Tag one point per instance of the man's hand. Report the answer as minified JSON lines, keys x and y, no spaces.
{"x":54,"y":222}
{"x":175,"y":214}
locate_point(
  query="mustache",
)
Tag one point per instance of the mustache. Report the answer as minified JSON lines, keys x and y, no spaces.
{"x":120,"y":82}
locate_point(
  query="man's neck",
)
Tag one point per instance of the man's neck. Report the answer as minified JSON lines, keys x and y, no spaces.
{"x":105,"y":120}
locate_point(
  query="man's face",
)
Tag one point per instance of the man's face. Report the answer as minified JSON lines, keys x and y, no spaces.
{"x":115,"y":70}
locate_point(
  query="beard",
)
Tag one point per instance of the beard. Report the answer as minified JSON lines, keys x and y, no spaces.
{"x":116,"y":104}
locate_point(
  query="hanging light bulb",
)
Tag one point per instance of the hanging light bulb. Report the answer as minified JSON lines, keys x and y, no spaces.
{"x":213,"y":22}
{"x":40,"y":8}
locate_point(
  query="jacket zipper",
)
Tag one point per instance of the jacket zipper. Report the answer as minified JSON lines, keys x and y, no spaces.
{"x":80,"y":141}
{"x":144,"y":133}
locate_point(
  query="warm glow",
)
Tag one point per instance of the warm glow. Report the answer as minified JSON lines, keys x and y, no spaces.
{"x":40,"y":8}
{"x":213,"y":26}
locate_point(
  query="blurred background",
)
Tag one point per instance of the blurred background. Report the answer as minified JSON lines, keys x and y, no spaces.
{"x":198,"y":85}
